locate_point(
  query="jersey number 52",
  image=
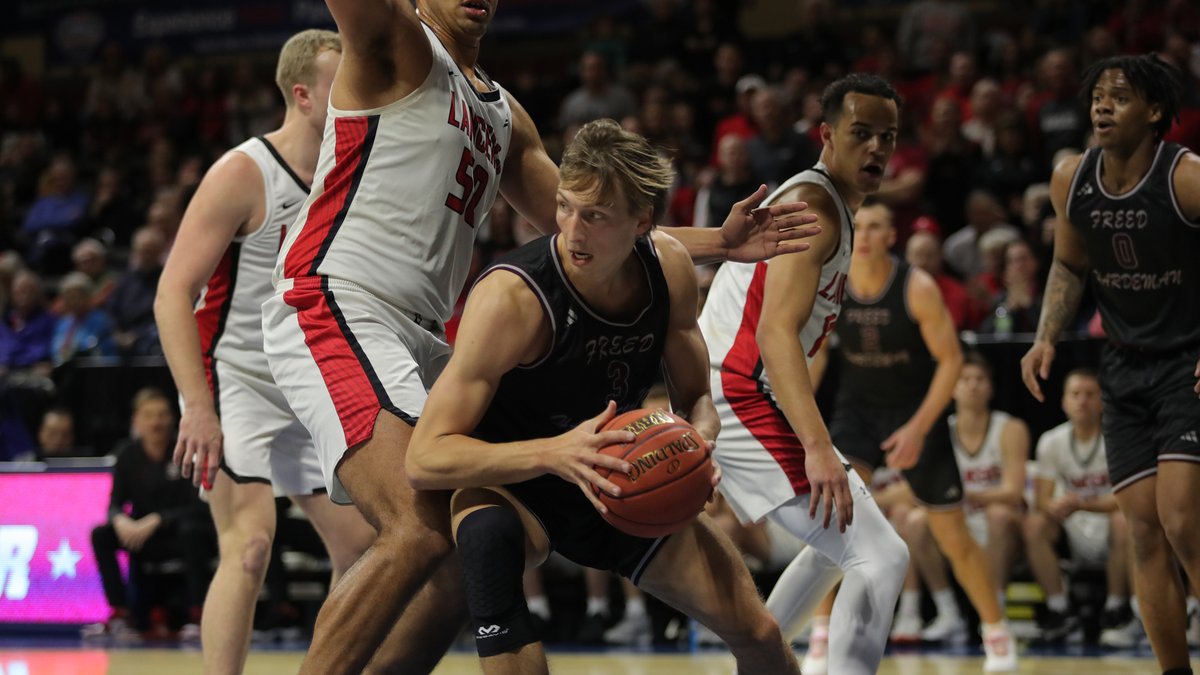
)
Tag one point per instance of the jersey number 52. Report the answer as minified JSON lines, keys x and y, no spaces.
{"x":473,"y":179}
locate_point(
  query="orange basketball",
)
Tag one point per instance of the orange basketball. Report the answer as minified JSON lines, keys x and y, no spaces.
{"x":671,"y":476}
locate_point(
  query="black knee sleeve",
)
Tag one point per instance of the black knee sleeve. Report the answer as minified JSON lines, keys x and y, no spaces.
{"x":491,"y":550}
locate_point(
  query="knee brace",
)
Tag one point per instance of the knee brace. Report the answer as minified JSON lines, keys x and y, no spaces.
{"x":491,"y":550}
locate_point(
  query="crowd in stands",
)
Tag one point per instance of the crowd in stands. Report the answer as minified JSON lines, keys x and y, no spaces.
{"x":97,"y":166}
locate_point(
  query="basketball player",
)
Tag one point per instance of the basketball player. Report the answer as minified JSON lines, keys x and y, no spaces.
{"x":764,"y":323}
{"x":517,"y":406}
{"x":900,"y":363}
{"x":1129,"y":218}
{"x":419,"y":143}
{"x":991,"y":448}
{"x":1073,"y":495}
{"x":238,"y":436}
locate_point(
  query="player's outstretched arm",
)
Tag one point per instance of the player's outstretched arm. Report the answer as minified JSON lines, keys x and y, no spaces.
{"x":1064,"y":287}
{"x":385,"y":54}
{"x":751,"y":232}
{"x":791,"y":287}
{"x":503,"y":326}
{"x":685,"y":355}
{"x":229,"y":196}
{"x":530,"y":178}
{"x":904,"y":445}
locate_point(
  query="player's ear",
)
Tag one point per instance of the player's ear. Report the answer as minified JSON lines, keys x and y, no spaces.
{"x":301,"y":95}
{"x":1155,"y":113}
{"x":645,"y":222}
{"x":826,"y":132}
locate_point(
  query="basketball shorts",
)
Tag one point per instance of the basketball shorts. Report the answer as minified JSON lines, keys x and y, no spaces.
{"x":1087,"y":537}
{"x":761,"y":460}
{"x":340,"y":355}
{"x":264,"y":442}
{"x":1151,"y":412}
{"x":579,"y":533}
{"x":935,"y":481}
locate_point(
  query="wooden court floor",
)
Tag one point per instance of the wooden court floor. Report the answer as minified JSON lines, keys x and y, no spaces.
{"x":184,"y":662}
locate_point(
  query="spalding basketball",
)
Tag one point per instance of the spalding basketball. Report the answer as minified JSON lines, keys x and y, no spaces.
{"x":671,"y":476}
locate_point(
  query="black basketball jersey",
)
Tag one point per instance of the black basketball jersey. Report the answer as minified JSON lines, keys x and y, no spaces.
{"x":592,"y":358}
{"x":884,"y":362}
{"x":1144,"y":255}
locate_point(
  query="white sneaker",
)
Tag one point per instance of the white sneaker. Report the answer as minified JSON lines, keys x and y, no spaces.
{"x":1126,"y":637}
{"x":906,"y":629}
{"x":190,"y":632}
{"x":1193,"y":634}
{"x":816,"y":660}
{"x":631,"y":629}
{"x":947,"y":628}
{"x":1000,"y":652}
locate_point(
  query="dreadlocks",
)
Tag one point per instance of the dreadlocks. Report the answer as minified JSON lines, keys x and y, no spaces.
{"x":1152,"y":78}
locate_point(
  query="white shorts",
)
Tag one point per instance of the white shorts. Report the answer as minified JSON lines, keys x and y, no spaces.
{"x":264,"y":442}
{"x":977,"y":523}
{"x":1087,"y":535}
{"x":761,"y":460}
{"x":340,"y":355}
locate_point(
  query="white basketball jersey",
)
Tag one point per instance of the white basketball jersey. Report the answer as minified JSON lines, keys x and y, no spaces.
{"x":229,"y":309}
{"x":984,"y":469}
{"x":1076,"y":467}
{"x":731,"y":313}
{"x":400,"y":191}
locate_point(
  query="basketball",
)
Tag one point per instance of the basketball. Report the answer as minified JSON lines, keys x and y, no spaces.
{"x":671,"y":476}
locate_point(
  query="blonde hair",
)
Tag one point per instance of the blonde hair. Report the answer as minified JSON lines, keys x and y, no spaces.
{"x":298,"y":58}
{"x":605,"y":159}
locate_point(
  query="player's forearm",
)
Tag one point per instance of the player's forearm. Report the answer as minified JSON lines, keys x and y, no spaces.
{"x":941,"y":390}
{"x":454,"y":461}
{"x":787,"y":369}
{"x":1060,"y":303}
{"x":180,"y":338}
{"x":702,"y":415}
{"x":704,"y":245}
{"x":998,"y":495}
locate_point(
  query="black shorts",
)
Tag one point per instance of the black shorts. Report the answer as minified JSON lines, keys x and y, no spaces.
{"x":1151,"y":412}
{"x":857,"y":432}
{"x":578,"y":532}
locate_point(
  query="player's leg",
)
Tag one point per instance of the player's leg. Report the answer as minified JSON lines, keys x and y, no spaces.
{"x":928,"y":562}
{"x":1117,"y":570}
{"x":342,"y":528}
{"x":427,"y":628}
{"x":874,"y":561}
{"x":1003,"y":541}
{"x":1157,"y":582}
{"x":967,"y":561}
{"x":1041,"y":534}
{"x":413,"y":539}
{"x":497,"y":537}
{"x":244,"y":514}
{"x":700,"y":573}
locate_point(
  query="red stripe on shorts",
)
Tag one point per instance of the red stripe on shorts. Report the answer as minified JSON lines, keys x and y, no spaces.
{"x":743,"y":390}
{"x":350,"y":387}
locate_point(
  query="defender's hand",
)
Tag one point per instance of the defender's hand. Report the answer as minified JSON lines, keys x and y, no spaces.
{"x":830,"y":483}
{"x":751,"y":234}
{"x":1036,"y":363}
{"x":903,"y":447}
{"x":199,"y":447}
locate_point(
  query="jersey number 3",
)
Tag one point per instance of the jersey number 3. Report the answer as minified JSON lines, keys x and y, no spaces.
{"x":473,"y":179}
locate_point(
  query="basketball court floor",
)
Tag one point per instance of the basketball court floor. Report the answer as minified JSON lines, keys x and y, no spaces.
{"x":64,"y":659}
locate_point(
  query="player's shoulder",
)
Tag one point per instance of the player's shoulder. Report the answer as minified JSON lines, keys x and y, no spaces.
{"x":1053,"y":440}
{"x":505,"y":294}
{"x":1065,"y":170}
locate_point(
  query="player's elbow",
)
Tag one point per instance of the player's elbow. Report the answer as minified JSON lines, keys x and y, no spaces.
{"x":418,"y":467}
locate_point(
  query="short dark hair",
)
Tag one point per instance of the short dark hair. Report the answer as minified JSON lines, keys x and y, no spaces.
{"x":1155,"y":80}
{"x":979,"y":361}
{"x":1082,"y":372}
{"x":855,"y":83}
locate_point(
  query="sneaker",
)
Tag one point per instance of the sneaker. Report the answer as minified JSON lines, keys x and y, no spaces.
{"x":816,"y":660}
{"x":632,"y":629}
{"x":706,"y":638}
{"x":591,"y":630}
{"x":189,"y":633}
{"x":1000,"y":652}
{"x":116,"y":628}
{"x":1126,"y":635}
{"x":1194,"y":629}
{"x":947,"y":628}
{"x":1056,"y":626}
{"x":906,"y":630}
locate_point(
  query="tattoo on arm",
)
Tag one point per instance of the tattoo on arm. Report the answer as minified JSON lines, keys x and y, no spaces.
{"x":1060,"y":302}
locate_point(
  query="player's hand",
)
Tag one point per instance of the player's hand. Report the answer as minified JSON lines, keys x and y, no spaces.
{"x":1036,"y":363}
{"x":144,"y":528}
{"x":711,"y":446}
{"x":751,"y":234}
{"x":576,"y":454}
{"x":903,"y":447}
{"x":125,"y":527}
{"x":830,"y":486}
{"x":1060,"y":509}
{"x":198,"y":449}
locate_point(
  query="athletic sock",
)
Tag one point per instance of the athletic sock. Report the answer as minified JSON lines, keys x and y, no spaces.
{"x":910,"y":604}
{"x":597,"y":606}
{"x":945,"y":602}
{"x":539,"y":605}
{"x":635,"y":606}
{"x":1114,"y":602}
{"x":1057,"y":603}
